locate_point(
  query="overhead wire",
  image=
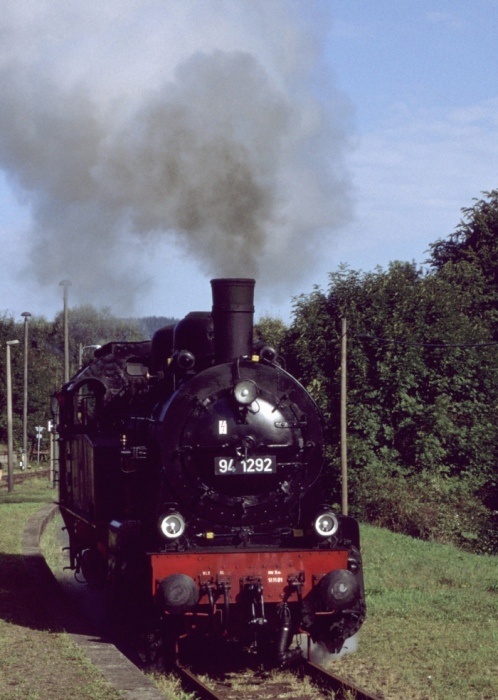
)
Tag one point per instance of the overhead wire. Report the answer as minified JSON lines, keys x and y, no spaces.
{"x":424,"y":345}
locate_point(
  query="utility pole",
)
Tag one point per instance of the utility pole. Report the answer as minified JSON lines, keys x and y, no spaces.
{"x":10,"y":441}
{"x":344,"y":428}
{"x":24,"y":459}
{"x":66,"y":284}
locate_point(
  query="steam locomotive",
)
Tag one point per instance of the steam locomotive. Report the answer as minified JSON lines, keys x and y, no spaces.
{"x":190,"y":486}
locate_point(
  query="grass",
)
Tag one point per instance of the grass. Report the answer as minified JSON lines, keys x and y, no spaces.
{"x":37,"y":661}
{"x":170,"y":685}
{"x":432,"y":627}
{"x":431,"y":631}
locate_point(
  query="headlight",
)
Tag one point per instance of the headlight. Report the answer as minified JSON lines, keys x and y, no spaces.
{"x":245,"y":392}
{"x":172,"y":525}
{"x":326,"y":524}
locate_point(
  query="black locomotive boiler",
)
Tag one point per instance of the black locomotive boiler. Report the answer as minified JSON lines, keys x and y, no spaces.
{"x":190,"y":485}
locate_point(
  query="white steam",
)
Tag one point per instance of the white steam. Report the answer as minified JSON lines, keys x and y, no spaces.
{"x":209,"y":122}
{"x":319,"y":654}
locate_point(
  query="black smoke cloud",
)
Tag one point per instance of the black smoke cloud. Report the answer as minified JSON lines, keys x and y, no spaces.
{"x":228,"y":149}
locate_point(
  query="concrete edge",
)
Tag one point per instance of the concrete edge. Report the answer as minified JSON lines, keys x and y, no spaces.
{"x":121,"y":673}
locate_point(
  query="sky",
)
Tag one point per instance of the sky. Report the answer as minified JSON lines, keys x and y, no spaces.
{"x":147,"y":146}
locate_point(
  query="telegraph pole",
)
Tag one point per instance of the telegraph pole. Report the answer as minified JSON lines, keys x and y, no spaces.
{"x":344,"y":429}
{"x":66,"y":284}
{"x":10,"y":441}
{"x":24,"y":460}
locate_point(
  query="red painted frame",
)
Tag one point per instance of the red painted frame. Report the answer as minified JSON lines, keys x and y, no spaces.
{"x":274,"y":568}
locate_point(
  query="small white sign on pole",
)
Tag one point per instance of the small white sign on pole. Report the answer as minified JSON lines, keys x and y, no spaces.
{"x":39,"y":430}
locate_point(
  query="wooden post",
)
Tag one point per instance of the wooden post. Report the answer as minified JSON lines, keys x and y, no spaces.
{"x":24,"y":460}
{"x":10,"y":448}
{"x":65,"y":284}
{"x":344,"y":435}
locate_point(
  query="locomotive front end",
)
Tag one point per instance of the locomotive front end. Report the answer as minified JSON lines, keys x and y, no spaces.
{"x":190,"y":486}
{"x":241,"y":540}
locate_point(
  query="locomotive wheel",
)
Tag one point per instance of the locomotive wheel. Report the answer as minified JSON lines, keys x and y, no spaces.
{"x":171,"y":630}
{"x":128,"y":603}
{"x":150,"y":648}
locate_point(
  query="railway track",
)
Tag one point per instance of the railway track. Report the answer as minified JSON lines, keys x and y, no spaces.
{"x":280,"y":685}
{"x":19,"y":478}
{"x":338,"y":685}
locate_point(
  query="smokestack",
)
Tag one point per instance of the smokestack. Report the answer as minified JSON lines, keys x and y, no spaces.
{"x":233,"y":312}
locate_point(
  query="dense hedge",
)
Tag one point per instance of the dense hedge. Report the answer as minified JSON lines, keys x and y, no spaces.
{"x":422,"y":384}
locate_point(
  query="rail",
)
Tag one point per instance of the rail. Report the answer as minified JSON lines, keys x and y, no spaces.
{"x":325,"y":680}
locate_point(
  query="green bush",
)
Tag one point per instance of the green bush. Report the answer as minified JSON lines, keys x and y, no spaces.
{"x":428,"y":507}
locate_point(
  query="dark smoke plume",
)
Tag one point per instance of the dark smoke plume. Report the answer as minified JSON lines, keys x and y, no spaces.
{"x":226,"y":138}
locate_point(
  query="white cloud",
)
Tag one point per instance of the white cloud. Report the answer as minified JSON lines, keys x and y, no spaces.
{"x":412,"y":179}
{"x":447,"y":19}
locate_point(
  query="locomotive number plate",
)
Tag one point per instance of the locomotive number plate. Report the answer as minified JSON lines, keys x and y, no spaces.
{"x":266,"y":464}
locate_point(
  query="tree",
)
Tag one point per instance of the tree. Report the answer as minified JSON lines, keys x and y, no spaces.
{"x":90,"y":326}
{"x":270,"y":331}
{"x":8,"y":331}
{"x":148,"y":325}
{"x":423,"y":383}
{"x":475,"y":243}
{"x":474,"y":240}
{"x":87,"y":326}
